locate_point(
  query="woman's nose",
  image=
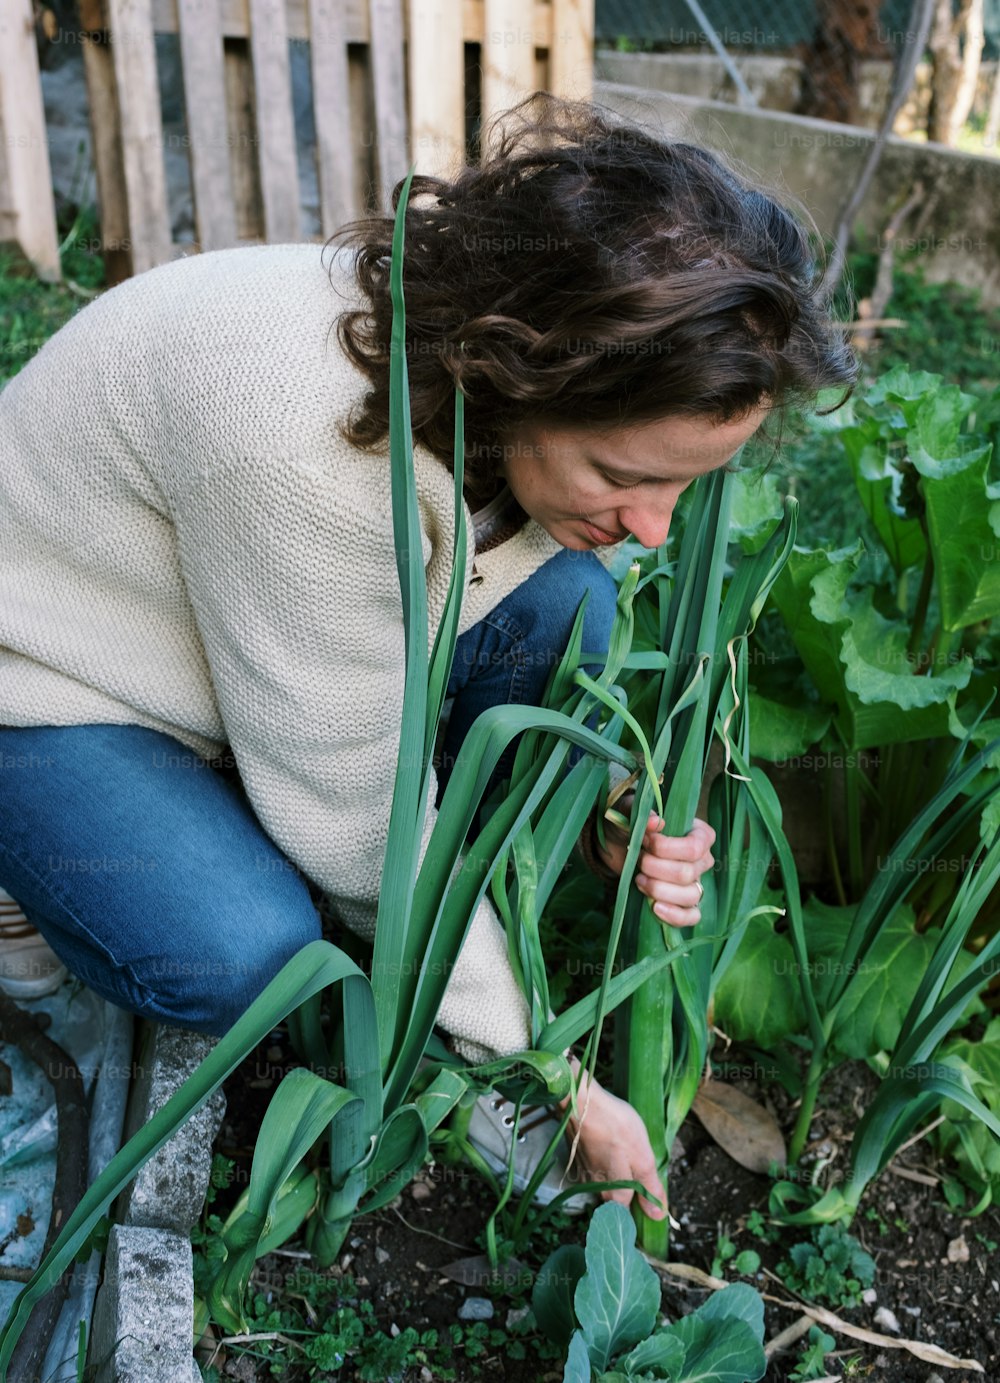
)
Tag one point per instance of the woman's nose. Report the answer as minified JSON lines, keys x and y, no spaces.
{"x":648,"y":526}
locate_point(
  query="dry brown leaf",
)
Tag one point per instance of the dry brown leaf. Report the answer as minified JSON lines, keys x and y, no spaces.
{"x":930,"y":1354}
{"x":476,"y":1271}
{"x":741,"y":1127}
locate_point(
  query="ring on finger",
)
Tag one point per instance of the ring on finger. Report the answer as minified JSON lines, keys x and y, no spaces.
{"x":701,"y":889}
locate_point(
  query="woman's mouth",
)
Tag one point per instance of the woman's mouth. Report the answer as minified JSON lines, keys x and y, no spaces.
{"x":598,"y":535}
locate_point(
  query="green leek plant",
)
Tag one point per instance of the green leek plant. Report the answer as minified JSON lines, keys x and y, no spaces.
{"x":689,"y":686}
{"x":675,"y":675}
{"x":374,"y":1134}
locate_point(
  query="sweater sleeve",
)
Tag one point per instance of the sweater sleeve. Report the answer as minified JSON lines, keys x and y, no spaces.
{"x":292,"y":577}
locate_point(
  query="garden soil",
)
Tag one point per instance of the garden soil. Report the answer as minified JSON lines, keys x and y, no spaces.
{"x":938,"y":1273}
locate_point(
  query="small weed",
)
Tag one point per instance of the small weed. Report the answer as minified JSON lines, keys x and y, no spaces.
{"x":745,"y":1263}
{"x":758,"y":1226}
{"x":832,"y":1267}
{"x":811,"y":1363}
{"x":876,"y":1219}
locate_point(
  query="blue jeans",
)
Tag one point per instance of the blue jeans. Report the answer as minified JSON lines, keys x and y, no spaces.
{"x":144,"y":866}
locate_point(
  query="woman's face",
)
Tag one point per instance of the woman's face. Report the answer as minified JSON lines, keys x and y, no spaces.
{"x":591,"y":487}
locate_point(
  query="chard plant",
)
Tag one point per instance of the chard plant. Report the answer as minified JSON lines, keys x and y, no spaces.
{"x":897,"y":639}
{"x":328,"y":1150}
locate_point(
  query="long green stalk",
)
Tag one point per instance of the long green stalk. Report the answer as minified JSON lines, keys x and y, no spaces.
{"x":663,"y":1031}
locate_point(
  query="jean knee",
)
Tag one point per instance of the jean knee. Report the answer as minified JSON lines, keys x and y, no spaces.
{"x":575,"y":575}
{"x":209,"y":990}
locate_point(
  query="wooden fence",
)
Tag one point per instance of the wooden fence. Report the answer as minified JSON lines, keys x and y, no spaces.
{"x":393,"y":81}
{"x":27,"y":215}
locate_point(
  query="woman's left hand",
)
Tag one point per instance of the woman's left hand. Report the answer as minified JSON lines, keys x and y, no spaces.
{"x":670,"y":868}
{"x":614,"y":1144}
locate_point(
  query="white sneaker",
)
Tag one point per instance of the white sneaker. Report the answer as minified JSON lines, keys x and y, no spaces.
{"x":29,"y":967}
{"x":490,"y":1133}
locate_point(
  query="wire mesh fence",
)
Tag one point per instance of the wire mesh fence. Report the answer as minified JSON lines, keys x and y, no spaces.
{"x":838,"y":55}
{"x":768,"y":25}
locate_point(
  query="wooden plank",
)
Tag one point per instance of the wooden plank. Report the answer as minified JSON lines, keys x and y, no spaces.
{"x":354,"y":14}
{"x":331,"y":114}
{"x":138,"y":89}
{"x":247,"y":203}
{"x":205,"y":103}
{"x":508,"y":55}
{"x":22,"y":123}
{"x":436,"y":58}
{"x":571,"y":49}
{"x":388,"y":77}
{"x":363,"y":127}
{"x":235,"y":18}
{"x":279,"y":175}
{"x":106,"y":142}
{"x":474,"y":22}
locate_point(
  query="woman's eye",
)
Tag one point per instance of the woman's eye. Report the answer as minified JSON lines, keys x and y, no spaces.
{"x":618,"y":484}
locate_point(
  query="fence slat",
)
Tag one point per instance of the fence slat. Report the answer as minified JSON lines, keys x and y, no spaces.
{"x":248,"y":207}
{"x":508,"y":54}
{"x":245,"y":180}
{"x":106,"y":139}
{"x":437,"y":86}
{"x":279,"y":177}
{"x":474,"y":22}
{"x":235,"y":22}
{"x":571,"y":49}
{"x":331,"y":113}
{"x":138,"y":88}
{"x":386,"y":54}
{"x":22,"y":125}
{"x":205,"y":101}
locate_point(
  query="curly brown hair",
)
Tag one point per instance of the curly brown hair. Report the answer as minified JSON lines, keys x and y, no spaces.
{"x":588,"y":272}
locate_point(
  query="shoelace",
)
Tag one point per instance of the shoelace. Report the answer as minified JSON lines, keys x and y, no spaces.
{"x":13,"y":923}
{"x":531,"y":1116}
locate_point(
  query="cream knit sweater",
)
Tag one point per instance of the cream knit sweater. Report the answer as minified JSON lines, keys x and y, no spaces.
{"x":189,"y":544}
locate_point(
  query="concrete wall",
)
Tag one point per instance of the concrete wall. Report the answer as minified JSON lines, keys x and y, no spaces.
{"x":956,"y":231}
{"x":775,"y":81}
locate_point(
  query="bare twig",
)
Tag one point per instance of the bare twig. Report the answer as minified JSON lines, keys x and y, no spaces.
{"x":916,"y":42}
{"x":16,"y":1274}
{"x":907,"y":1173}
{"x":882,"y":291}
{"x":788,"y":1336}
{"x":921,"y":1133}
{"x":929,"y":1353}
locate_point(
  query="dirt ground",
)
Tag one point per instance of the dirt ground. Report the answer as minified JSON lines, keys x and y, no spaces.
{"x":937,"y":1273}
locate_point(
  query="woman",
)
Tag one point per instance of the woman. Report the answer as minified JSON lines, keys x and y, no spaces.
{"x":201,"y":645}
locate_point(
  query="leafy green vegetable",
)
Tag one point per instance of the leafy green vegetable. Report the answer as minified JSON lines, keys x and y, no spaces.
{"x":882,"y":986}
{"x":966,"y":1141}
{"x":616,"y":1302}
{"x":758,"y":999}
{"x":617,"y":1298}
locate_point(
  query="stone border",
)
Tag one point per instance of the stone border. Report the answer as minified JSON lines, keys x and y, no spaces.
{"x":143,"y":1322}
